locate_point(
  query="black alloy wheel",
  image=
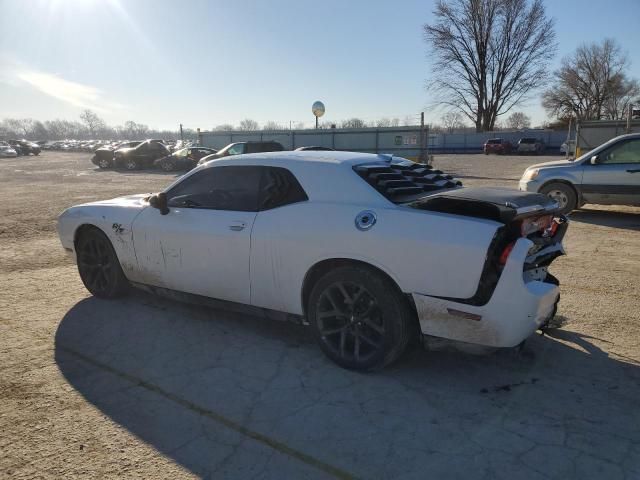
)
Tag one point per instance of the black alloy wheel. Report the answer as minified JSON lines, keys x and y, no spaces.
{"x":98,"y":265}
{"x":360,"y":319}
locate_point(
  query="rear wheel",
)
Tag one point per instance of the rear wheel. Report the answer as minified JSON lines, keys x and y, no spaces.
{"x":562,"y":193}
{"x":98,"y":265}
{"x":168,"y":166}
{"x":359,"y":318}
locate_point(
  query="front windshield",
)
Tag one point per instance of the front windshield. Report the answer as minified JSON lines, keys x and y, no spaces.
{"x":181,"y":153}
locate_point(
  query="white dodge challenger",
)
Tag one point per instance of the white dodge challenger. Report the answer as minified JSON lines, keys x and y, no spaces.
{"x":370,"y":250}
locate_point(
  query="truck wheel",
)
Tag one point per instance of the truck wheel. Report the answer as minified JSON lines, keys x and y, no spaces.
{"x":562,"y":193}
{"x":359,"y":318}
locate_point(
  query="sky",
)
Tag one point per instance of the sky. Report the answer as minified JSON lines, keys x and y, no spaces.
{"x":204,"y":63}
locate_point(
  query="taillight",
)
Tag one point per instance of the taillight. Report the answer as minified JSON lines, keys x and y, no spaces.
{"x":505,"y":253}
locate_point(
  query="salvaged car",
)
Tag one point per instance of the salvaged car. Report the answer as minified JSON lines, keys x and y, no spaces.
{"x":25,"y":147}
{"x":240,"y":148}
{"x":141,"y":156}
{"x":530,"y":145}
{"x":184,"y":159}
{"x":499,"y":146}
{"x":7,"y":150}
{"x":370,"y":250}
{"x":103,"y":156}
{"x":607,"y":175}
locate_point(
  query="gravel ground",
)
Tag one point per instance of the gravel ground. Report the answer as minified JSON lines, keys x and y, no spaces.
{"x":148,"y":388}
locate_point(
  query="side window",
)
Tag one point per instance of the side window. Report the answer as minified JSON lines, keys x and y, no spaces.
{"x":625,"y":152}
{"x":279,"y":187}
{"x":236,"y":149}
{"x":219,"y":188}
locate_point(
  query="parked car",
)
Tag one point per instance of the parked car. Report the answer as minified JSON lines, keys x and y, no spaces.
{"x":607,"y":175}
{"x":240,"y":148}
{"x":314,"y":148}
{"x":372,"y":250}
{"x":103,"y":157}
{"x":7,"y":150}
{"x":141,"y":156}
{"x":568,"y":148}
{"x":25,"y":147}
{"x":497,"y":145}
{"x":184,"y":159}
{"x":529,"y":145}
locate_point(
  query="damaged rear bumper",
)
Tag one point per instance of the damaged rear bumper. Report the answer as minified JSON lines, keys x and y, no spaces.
{"x":515,"y":310}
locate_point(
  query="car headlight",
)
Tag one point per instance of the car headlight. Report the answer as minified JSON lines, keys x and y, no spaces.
{"x":530,"y":174}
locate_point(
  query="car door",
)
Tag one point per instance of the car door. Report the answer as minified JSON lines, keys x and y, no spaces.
{"x":203,"y":245}
{"x":615,"y":177}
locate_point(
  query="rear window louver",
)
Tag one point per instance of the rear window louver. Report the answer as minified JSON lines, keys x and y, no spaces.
{"x":403,"y":179}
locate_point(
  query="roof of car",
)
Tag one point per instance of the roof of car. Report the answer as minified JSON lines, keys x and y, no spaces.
{"x":301,"y":157}
{"x":324,"y":175}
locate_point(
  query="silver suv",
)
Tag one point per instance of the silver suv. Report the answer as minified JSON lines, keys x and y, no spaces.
{"x":608,"y":175}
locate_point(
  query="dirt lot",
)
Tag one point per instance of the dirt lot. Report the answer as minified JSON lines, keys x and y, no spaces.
{"x":148,"y":388}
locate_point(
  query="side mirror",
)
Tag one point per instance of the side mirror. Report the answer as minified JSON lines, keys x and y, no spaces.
{"x":595,"y":160}
{"x":159,"y":201}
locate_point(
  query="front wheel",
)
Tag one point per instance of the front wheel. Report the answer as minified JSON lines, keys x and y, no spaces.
{"x":359,"y":318}
{"x":562,"y":193}
{"x":104,"y":163}
{"x":131,"y":164}
{"x":98,"y":265}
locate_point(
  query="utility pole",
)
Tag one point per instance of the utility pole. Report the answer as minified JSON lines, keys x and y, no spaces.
{"x":629,"y":115}
{"x":181,"y":134}
{"x":423,"y":158}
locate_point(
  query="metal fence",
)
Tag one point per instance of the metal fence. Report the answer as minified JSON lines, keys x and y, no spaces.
{"x":593,"y":133}
{"x":400,"y":141}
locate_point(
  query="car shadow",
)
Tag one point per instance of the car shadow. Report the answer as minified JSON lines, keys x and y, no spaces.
{"x":228,"y":395}
{"x":607,"y":218}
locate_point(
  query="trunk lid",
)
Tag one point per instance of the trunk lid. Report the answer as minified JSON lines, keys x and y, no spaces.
{"x":503,"y":205}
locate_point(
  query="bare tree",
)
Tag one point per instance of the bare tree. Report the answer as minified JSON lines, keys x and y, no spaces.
{"x":395,"y":122}
{"x":591,"y":84}
{"x":224,"y":127}
{"x":518,"y":121}
{"x":248,"y":124}
{"x":624,"y":92}
{"x":271,"y":125}
{"x":92,"y":121}
{"x":353,"y":123}
{"x":489,"y":55}
{"x":383,"y":122}
{"x":452,"y":121}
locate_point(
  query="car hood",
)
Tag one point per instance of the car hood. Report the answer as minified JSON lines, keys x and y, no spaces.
{"x":137,"y":200}
{"x":554,"y":164}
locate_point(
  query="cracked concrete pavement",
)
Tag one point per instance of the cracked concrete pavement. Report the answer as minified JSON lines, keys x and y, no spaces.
{"x":145,"y":387}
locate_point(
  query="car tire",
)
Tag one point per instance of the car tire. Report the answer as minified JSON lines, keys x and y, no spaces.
{"x":98,"y":265}
{"x":562,"y":193}
{"x":360,"y":318}
{"x":104,"y":163}
{"x":167,"y":166}
{"x":131,"y":164}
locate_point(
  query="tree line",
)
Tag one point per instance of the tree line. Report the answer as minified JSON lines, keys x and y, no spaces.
{"x":489,"y":56}
{"x":89,"y":127}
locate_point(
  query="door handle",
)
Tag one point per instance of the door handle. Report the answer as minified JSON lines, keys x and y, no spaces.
{"x":635,"y":170}
{"x":237,"y":226}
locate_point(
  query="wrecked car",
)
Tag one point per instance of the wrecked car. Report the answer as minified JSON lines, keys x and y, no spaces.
{"x":369,"y":250}
{"x":103,"y":156}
